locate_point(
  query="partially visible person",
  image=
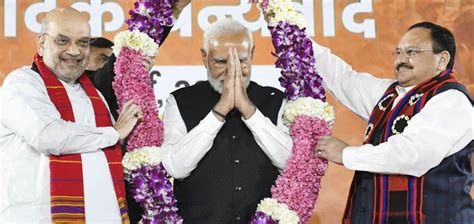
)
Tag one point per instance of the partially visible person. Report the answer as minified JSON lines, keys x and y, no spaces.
{"x":59,"y":152}
{"x":414,"y":165}
{"x":103,"y":78}
{"x":101,"y":50}
{"x":225,"y":141}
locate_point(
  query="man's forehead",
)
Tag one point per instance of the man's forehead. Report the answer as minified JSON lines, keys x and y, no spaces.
{"x":68,"y":31}
{"x":99,"y":50}
{"x":415,"y":37}
{"x":223,"y":53}
{"x":228,"y":41}
{"x":68,"y":22}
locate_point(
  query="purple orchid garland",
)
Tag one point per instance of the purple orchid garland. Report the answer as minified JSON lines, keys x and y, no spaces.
{"x":151,"y":186}
{"x":299,"y":184}
{"x":295,"y":58}
{"x":150,"y":16}
{"x":262,"y":218}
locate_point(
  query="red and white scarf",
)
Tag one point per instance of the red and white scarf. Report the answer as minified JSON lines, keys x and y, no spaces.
{"x":67,"y":187}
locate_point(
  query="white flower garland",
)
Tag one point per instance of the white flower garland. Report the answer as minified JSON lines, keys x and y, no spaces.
{"x":283,"y":11}
{"x":310,"y":107}
{"x":146,"y":156}
{"x":135,"y":40}
{"x":278,"y":211}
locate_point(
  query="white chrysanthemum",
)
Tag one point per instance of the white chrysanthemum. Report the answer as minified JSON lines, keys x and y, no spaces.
{"x":310,"y":107}
{"x":135,"y":40}
{"x":149,"y":156}
{"x":278,"y":211}
{"x":284,"y":11}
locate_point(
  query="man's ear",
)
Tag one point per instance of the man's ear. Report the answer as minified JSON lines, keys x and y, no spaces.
{"x":40,"y":39}
{"x":444,"y":60}
{"x":204,"y":57}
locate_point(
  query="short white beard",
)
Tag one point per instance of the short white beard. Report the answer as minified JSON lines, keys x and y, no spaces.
{"x":69,"y":78}
{"x":61,"y":74}
{"x":218,"y":84}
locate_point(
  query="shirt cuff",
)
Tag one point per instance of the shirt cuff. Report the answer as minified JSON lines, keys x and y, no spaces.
{"x":254,"y":121}
{"x":110,"y":137}
{"x":212,"y":124}
{"x":349,"y":157}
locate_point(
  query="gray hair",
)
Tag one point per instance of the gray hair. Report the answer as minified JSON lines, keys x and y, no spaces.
{"x":225,"y":27}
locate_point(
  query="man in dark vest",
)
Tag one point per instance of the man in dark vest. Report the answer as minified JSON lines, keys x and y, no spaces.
{"x":225,"y":141}
{"x":414,"y":166}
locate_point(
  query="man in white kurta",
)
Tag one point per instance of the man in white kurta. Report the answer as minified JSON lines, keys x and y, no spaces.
{"x":31,"y":129}
{"x":428,"y":157}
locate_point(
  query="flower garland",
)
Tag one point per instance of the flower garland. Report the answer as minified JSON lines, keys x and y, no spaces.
{"x":307,"y":114}
{"x":150,"y":183}
{"x":150,"y":16}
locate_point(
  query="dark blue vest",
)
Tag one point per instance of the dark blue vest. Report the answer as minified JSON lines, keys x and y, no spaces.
{"x":442,"y":195}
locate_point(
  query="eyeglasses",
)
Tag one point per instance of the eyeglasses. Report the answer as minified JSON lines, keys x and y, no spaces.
{"x":64,"y":41}
{"x":409,"y":52}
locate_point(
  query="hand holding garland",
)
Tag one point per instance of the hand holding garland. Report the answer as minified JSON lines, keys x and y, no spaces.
{"x":129,"y":116}
{"x":331,"y":148}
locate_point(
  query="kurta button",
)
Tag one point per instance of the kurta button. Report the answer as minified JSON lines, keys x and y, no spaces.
{"x":237,"y":188}
{"x":234,"y":137}
{"x":237,"y":217}
{"x":236,"y":161}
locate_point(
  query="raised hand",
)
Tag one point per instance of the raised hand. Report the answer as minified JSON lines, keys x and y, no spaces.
{"x":128,"y":118}
{"x":242,"y":101}
{"x":226,"y":102}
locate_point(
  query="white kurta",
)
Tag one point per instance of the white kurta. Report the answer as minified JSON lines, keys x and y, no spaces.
{"x":30,"y":130}
{"x":182,"y":150}
{"x":442,"y":128}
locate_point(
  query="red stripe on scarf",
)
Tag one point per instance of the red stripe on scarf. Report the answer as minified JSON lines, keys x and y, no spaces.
{"x":400,"y":182}
{"x":66,"y":170}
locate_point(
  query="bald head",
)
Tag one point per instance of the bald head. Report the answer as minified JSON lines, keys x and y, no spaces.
{"x":64,"y":17}
{"x":64,"y":43}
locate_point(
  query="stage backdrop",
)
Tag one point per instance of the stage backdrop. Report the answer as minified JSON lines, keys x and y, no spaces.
{"x":363,"y":33}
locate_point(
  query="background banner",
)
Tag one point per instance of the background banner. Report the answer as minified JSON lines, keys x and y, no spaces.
{"x":363,"y":33}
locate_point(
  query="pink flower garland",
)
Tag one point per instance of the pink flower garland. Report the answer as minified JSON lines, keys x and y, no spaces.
{"x":298,"y":186}
{"x":133,"y":82}
{"x":151,"y":186}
